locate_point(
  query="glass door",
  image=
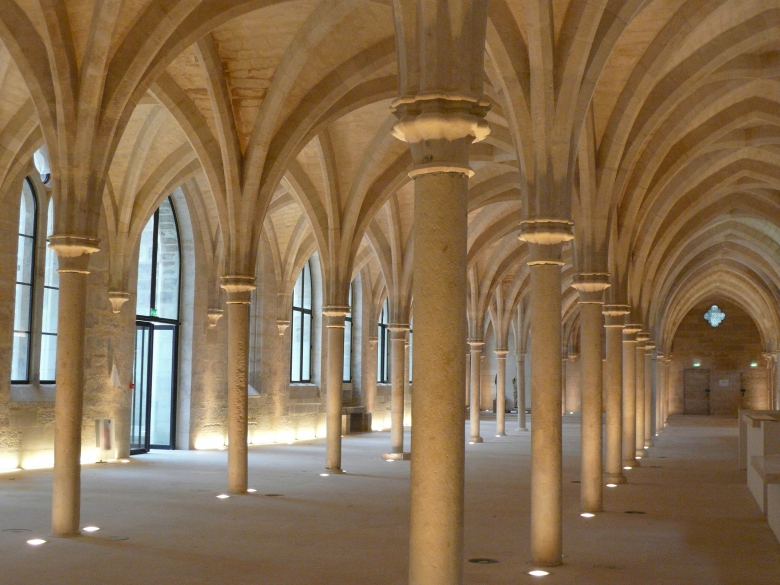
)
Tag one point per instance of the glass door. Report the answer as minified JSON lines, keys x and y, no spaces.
{"x":153,"y":411}
{"x":139,"y":409}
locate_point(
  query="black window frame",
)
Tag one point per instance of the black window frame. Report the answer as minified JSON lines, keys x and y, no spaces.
{"x":304,"y":314}
{"x":383,"y":369}
{"x":346,"y":374}
{"x":31,"y":284}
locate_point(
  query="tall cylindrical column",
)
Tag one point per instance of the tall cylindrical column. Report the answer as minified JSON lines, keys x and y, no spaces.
{"x":546,"y":397}
{"x":501,"y":392}
{"x":590,"y":288}
{"x":73,"y":255}
{"x":239,"y":290}
{"x":397,"y":353}
{"x":468,"y":379}
{"x":649,"y":349}
{"x":639,"y":442}
{"x":407,"y":386}
{"x":437,"y":474}
{"x":370,"y":379}
{"x":615,"y":320}
{"x":475,"y":400}
{"x":521,"y":423}
{"x":563,"y":384}
{"x":335,"y":321}
{"x":629,"y":395}
{"x":667,"y":389}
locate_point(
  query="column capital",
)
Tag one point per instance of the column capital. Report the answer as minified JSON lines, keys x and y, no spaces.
{"x":117,"y":300}
{"x":650,"y":346}
{"x":372,"y":341}
{"x":336,"y":311}
{"x":546,"y":232}
{"x":501,"y":353}
{"x":632,"y":328}
{"x":238,"y":288}
{"x":282,"y":325}
{"x":591,"y":286}
{"x":642,"y":337}
{"x":73,"y":252}
{"x":475,"y":344}
{"x":214,"y":315}
{"x":398,"y":327}
{"x":439,"y":128}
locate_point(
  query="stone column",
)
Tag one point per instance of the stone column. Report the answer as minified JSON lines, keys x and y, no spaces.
{"x":667,"y":383}
{"x":521,"y":424}
{"x":370,"y":380}
{"x":398,"y":333}
{"x":239,"y":290}
{"x":73,"y":254}
{"x":545,"y":238}
{"x":629,"y":395}
{"x":649,"y":349}
{"x":591,"y":287}
{"x":615,"y":320}
{"x":475,"y":400}
{"x":660,"y":372}
{"x":774,"y":402}
{"x":501,"y":392}
{"x":335,"y":319}
{"x":468,"y":378}
{"x":407,"y":388}
{"x":563,"y":384}
{"x":639,"y":443}
{"x":439,"y":131}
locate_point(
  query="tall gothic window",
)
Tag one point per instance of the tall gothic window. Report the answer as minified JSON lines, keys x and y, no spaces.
{"x":382,"y":346}
{"x":347,"y":373}
{"x":300,"y":370}
{"x":25,"y":271}
{"x":159,"y":267}
{"x":51,"y":294}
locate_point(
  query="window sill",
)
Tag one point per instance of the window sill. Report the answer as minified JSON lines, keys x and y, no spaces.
{"x":33,"y":392}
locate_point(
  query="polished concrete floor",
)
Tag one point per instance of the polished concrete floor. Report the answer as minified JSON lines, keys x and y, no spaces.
{"x":161,"y":522}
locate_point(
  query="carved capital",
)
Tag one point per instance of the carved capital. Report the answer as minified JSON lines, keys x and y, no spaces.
{"x":475,"y":344}
{"x":214,"y":315}
{"x":73,"y":252}
{"x":546,"y":232}
{"x":439,"y":129}
{"x":591,"y":286}
{"x":642,"y":337}
{"x":372,"y":342}
{"x":282,"y":325}
{"x":632,"y":328}
{"x":117,"y":300}
{"x":239,"y":288}
{"x":501,"y":353}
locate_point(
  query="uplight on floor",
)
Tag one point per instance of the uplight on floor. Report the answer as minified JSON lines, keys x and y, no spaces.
{"x":324,"y":474}
{"x":587,"y":515}
{"x":223,"y":496}
{"x":627,"y":468}
{"x":90,"y":529}
{"x":251,"y":490}
{"x":36,"y":541}
{"x":611,"y":485}
{"x":538,"y":573}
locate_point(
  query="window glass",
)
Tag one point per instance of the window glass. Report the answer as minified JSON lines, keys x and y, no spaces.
{"x":159,"y":266}
{"x":411,"y":347}
{"x":300,"y":356}
{"x":51,"y":294}
{"x":382,"y":345}
{"x":25,"y":270}
{"x":347,"y":372}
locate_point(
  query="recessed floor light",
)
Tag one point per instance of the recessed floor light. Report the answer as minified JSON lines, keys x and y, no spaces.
{"x":538,"y":573}
{"x":587,"y":515}
{"x":90,"y":529}
{"x":498,"y":435}
{"x":611,"y":485}
{"x":223,"y":496}
{"x":628,"y":468}
{"x":36,"y":541}
{"x":324,"y":474}
{"x":389,"y":460}
{"x":647,"y":447}
{"x":251,"y":490}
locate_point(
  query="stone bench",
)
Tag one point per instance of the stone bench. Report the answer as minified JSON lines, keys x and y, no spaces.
{"x":746,"y":421}
{"x":767,"y":469}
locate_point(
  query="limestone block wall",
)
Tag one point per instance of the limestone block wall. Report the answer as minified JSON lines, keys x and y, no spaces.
{"x":733,"y":345}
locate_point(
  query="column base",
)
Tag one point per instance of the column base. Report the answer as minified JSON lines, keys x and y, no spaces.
{"x":396,"y":456}
{"x":500,"y":434}
{"x":649,"y":443}
{"x":631,"y":463}
{"x":640,"y":453}
{"x":522,"y":429}
{"x":475,"y":440}
{"x":334,"y":471}
{"x":618,"y":479}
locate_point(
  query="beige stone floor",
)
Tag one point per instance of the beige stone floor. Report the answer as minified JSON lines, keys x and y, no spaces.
{"x":700,"y":524}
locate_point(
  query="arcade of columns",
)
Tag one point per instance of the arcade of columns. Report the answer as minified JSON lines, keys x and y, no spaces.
{"x":513,"y":166}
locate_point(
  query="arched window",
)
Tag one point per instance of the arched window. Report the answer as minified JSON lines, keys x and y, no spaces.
{"x":347,"y":373}
{"x":300,"y":366}
{"x":153,"y":408}
{"x":25,"y":272}
{"x":382,"y":346}
{"x":51,"y":294}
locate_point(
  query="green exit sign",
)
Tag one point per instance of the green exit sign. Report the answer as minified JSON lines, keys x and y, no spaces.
{"x":154,"y":312}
